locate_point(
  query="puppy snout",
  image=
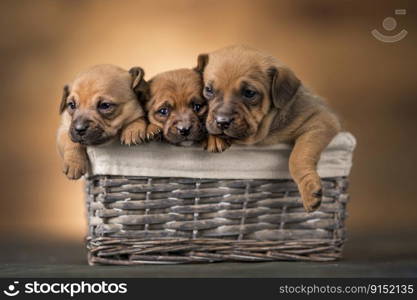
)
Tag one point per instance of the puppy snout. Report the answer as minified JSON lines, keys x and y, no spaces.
{"x":184,"y":130}
{"x":223,"y":122}
{"x":81,"y":127}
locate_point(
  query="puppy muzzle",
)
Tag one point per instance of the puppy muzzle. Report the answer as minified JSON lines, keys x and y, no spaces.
{"x":85,"y":132}
{"x":232,"y":126}
{"x":181,"y":133}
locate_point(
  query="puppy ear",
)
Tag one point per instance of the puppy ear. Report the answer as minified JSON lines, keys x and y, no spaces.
{"x":65,"y":94}
{"x":139,"y":85}
{"x":284,"y":85}
{"x":202,"y":61}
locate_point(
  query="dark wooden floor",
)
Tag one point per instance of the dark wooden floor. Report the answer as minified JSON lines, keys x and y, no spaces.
{"x":383,"y":255}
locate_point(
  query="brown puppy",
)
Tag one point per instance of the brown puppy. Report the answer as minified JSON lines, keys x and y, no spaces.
{"x":254,"y":99}
{"x":102,"y":102}
{"x":177,"y":108}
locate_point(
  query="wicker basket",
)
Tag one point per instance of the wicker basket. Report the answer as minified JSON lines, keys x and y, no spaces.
{"x":208,"y":213}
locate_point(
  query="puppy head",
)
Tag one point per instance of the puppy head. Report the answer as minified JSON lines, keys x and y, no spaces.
{"x":101,"y":100}
{"x":242,"y":86}
{"x":177,"y":106}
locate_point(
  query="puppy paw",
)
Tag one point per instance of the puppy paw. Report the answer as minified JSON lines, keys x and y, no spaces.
{"x":216,"y":144}
{"x":153,"y":132}
{"x":75,"y":168}
{"x":311,"y":192}
{"x":134,"y":133}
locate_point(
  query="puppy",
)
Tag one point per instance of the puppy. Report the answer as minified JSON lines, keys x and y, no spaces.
{"x":101,"y":102}
{"x":178,"y":110}
{"x":255,"y":100}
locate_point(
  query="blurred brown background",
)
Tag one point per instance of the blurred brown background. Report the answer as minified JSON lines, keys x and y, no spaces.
{"x":371,"y":84}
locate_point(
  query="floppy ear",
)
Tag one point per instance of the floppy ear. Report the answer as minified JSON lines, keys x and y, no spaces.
{"x":202,"y":61}
{"x":139,"y":85}
{"x":284,"y":85}
{"x":65,"y":94}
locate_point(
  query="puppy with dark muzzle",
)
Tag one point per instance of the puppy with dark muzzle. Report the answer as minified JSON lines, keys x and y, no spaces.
{"x":101,"y":103}
{"x":178,"y":110}
{"x":256,"y":100}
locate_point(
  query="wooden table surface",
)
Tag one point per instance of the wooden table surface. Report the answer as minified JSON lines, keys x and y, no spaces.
{"x":382,"y":255}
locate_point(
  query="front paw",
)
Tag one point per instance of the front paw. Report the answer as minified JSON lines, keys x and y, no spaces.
{"x":311,"y":192}
{"x":133,"y":134}
{"x":153,"y":132}
{"x":75,"y":168}
{"x":215,"y":144}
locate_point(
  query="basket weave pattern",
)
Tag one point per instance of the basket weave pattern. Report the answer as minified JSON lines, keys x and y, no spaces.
{"x":137,"y":220}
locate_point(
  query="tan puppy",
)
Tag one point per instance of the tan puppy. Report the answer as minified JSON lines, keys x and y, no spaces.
{"x":101,"y":102}
{"x":255,"y":100}
{"x":177,"y":108}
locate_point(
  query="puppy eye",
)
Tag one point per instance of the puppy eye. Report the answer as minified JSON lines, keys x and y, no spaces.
{"x":197,"y":107}
{"x":163,"y":111}
{"x":208,"y":92}
{"x":105,"y":105}
{"x":209,"y":89}
{"x":248,"y":93}
{"x":71,"y":105}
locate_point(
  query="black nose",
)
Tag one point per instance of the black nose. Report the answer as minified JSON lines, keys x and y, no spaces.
{"x":223,"y":122}
{"x":81,"y":127}
{"x":184,"y":131}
